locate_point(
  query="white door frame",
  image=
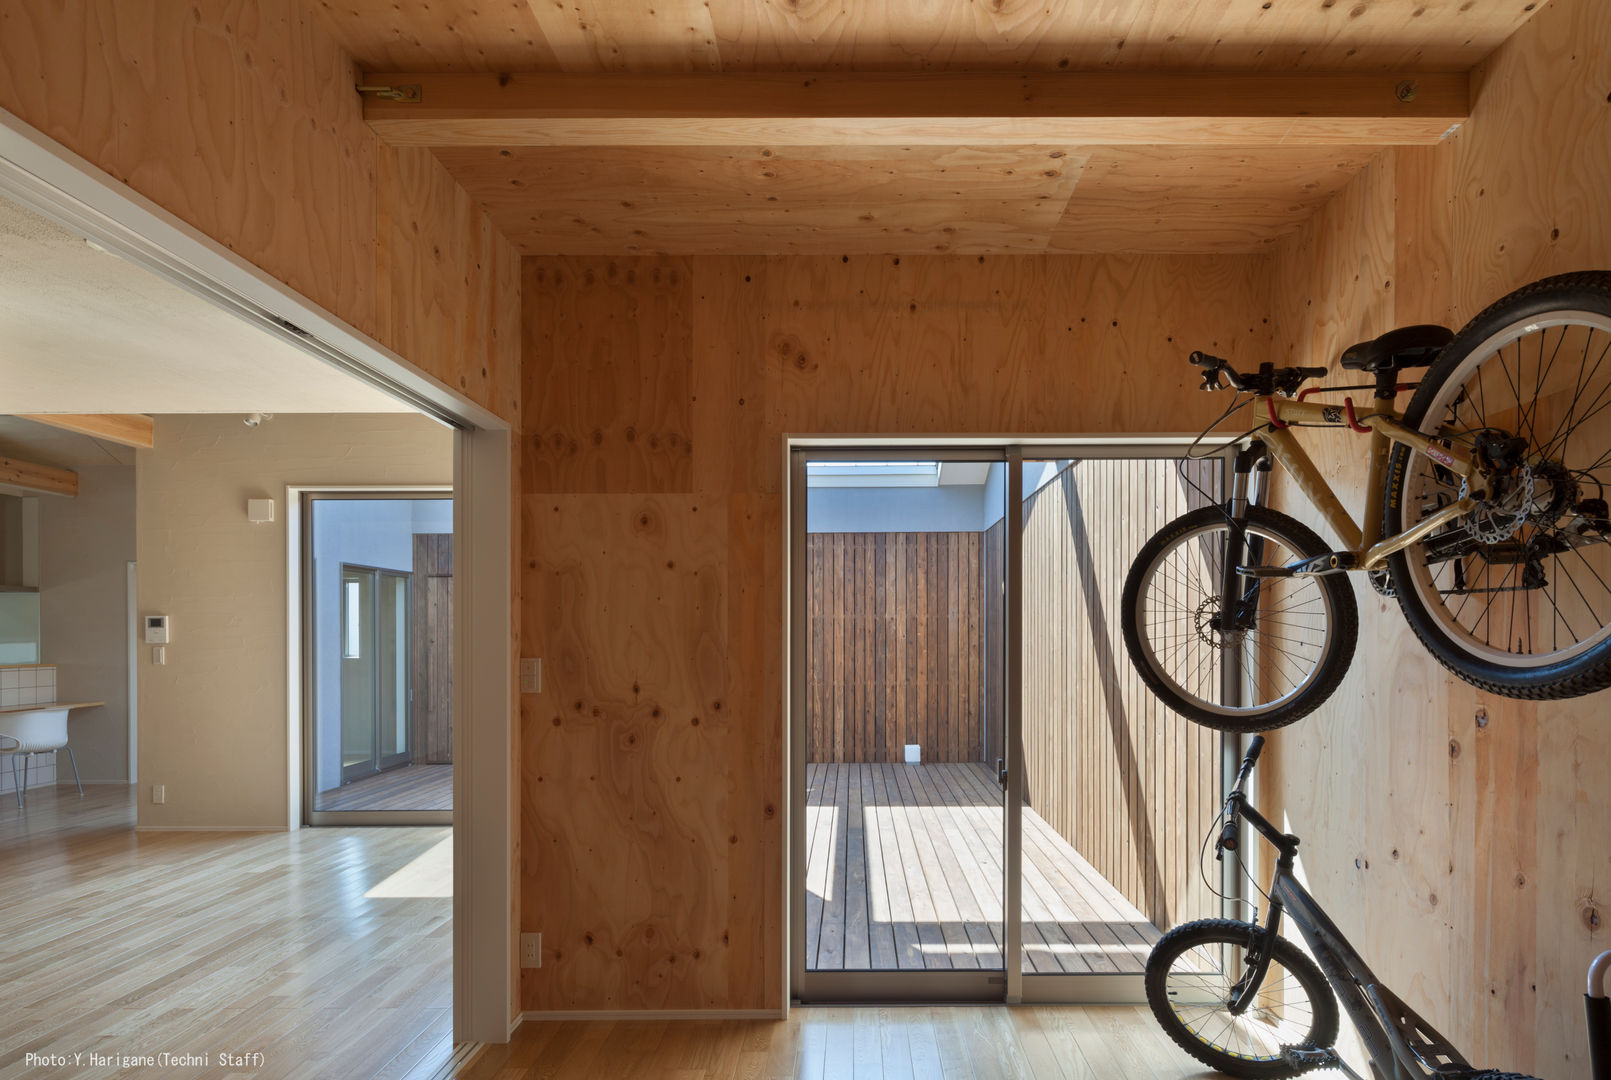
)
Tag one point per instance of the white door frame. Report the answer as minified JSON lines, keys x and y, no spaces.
{"x":51,"y":180}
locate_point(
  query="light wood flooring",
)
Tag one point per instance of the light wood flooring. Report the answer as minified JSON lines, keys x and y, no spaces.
{"x":904,"y":872}
{"x":954,"y":1043}
{"x":117,"y":942}
{"x":411,"y":787}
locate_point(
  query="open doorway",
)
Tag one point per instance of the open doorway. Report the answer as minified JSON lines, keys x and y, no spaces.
{"x":991,"y":807}
{"x":378,"y":658}
{"x":203,"y":400}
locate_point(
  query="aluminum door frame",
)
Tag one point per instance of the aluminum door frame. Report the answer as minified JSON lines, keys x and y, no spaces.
{"x":1009,"y":985}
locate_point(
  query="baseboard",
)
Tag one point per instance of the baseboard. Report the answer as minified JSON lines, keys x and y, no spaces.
{"x":211,"y":829}
{"x":652,"y":1014}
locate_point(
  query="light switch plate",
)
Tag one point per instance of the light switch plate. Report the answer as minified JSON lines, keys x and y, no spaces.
{"x":531,"y":675}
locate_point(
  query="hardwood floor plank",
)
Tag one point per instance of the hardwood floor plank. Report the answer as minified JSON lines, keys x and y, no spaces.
{"x":276,"y":942}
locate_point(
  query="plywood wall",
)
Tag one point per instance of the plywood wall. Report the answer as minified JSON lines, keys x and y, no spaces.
{"x":1479,"y":821}
{"x":241,"y":119}
{"x":658,"y":394}
{"x":1127,"y":782}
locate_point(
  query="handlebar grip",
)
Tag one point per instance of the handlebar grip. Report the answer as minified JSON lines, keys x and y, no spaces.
{"x":1202,"y":359}
{"x":1254,"y":749}
{"x":1228,"y":836}
{"x":1314,"y":372}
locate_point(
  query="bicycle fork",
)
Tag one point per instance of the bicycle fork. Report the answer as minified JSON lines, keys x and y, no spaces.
{"x":1239,"y":594}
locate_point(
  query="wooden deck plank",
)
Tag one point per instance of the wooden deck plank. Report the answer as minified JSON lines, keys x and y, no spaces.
{"x":1069,"y":900}
{"x":818,"y":870}
{"x":1043,"y":941}
{"x":950,"y":907}
{"x":979,"y":917}
{"x":858,"y":953}
{"x":904,"y":871}
{"x":831,"y":941}
{"x":411,"y":787}
{"x":902,"y":924}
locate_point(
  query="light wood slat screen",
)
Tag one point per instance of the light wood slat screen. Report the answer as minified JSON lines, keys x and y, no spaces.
{"x":1130,"y":784}
{"x":896,"y":624}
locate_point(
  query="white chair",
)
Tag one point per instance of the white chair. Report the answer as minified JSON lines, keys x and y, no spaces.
{"x":37,"y":731}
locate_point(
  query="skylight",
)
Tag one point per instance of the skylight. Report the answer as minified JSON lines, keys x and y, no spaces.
{"x":881,"y":474}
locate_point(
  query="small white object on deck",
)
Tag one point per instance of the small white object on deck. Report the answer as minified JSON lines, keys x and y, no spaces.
{"x":914,"y":753}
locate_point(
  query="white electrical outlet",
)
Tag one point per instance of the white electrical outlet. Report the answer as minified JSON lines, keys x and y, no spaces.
{"x":531,"y":675}
{"x":531,"y":950}
{"x":159,"y":793}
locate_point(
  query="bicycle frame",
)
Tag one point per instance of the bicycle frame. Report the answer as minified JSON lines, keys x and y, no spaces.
{"x":1384,"y":425}
{"x":1386,"y":1026}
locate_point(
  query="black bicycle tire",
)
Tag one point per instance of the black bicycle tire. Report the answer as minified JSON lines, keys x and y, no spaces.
{"x":1588,"y":290}
{"x":1303,"y":541}
{"x":1323,"y":1029}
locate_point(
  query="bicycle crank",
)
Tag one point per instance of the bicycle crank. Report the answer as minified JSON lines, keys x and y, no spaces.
{"x":1303,"y":1060}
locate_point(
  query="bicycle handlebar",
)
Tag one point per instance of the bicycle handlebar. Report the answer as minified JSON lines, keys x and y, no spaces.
{"x":1268,"y":380}
{"x":1229,"y":835}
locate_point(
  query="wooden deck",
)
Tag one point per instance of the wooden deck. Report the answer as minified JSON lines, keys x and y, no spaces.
{"x":905,"y":872}
{"x":412,"y":787}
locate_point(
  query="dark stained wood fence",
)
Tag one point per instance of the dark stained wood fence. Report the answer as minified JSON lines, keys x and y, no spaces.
{"x":1127,"y":782}
{"x":896,"y":622}
{"x":431,"y":649}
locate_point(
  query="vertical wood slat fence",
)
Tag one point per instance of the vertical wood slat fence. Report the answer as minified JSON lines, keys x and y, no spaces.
{"x":1131,"y":785}
{"x":895,"y":623}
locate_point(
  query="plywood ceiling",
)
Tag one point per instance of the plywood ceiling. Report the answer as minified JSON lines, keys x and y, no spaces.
{"x":948,"y":199}
{"x":907,"y":35}
{"x":767,"y":193}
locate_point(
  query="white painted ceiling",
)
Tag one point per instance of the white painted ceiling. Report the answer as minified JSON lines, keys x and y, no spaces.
{"x":83,"y":331}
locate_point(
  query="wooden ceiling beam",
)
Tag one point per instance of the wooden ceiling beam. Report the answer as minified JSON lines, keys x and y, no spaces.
{"x":894,"y":108}
{"x":43,"y":479}
{"x":136,"y":430}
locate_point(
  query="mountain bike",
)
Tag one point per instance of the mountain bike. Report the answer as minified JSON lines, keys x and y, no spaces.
{"x":1242,"y":999}
{"x":1485,"y":516}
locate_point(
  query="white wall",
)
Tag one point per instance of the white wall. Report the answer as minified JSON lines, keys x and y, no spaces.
{"x":362,"y":532}
{"x":213,"y":724}
{"x":946,"y":508}
{"x":85,"y":546}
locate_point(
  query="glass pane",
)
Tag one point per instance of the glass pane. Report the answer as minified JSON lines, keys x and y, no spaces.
{"x":904,"y":817}
{"x":358,"y":676}
{"x":1118,"y":791}
{"x":393,"y":666}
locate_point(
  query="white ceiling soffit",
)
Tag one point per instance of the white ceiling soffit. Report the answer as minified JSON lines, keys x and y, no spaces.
{"x":84,"y":331}
{"x":963,"y":472}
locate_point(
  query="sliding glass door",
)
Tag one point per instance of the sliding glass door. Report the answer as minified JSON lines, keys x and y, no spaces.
{"x":377,"y":668}
{"x":901,"y":834}
{"x":987,"y":805}
{"x":374,"y":671}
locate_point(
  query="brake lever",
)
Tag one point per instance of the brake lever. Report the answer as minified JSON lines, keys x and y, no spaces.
{"x":1211,"y":380}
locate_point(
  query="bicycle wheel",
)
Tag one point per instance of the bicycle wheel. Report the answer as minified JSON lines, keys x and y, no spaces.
{"x":1189,"y":979}
{"x":1275,"y":665}
{"x":1515,"y":597}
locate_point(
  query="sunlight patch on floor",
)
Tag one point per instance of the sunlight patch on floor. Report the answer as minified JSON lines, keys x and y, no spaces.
{"x":426,"y":875}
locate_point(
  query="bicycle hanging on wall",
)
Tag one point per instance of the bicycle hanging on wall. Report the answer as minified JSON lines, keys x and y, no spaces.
{"x":1485,"y":516}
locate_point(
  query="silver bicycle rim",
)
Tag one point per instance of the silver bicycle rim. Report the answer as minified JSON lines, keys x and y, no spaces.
{"x":1197,"y":992}
{"x":1205,"y":673}
{"x":1422,"y":577}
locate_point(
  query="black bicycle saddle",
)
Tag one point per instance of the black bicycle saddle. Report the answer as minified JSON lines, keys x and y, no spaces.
{"x":1406,"y":347}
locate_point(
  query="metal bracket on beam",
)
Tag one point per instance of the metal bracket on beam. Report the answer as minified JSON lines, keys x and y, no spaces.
{"x":409,"y":93}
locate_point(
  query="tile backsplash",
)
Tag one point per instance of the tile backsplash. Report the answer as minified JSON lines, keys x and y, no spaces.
{"x":32,"y":684}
